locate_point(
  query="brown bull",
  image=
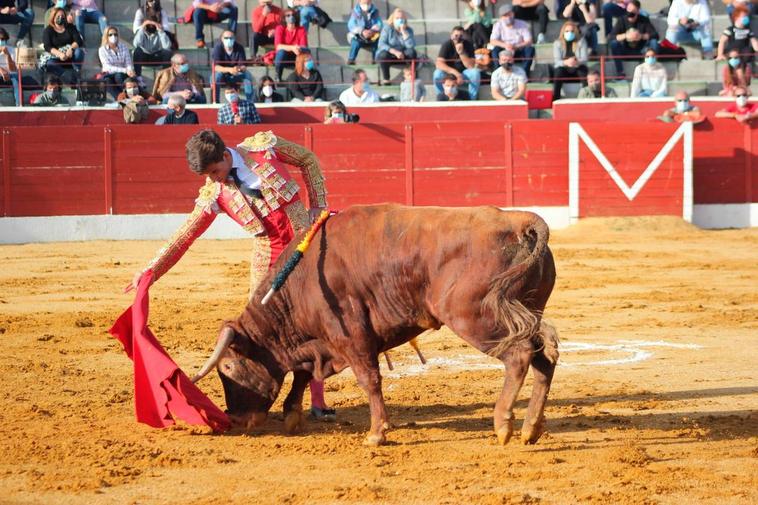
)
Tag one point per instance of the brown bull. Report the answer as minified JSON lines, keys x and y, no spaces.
{"x":377,"y":276}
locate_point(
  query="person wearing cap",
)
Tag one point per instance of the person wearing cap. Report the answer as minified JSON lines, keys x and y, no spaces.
{"x":514,"y":35}
{"x":508,"y":81}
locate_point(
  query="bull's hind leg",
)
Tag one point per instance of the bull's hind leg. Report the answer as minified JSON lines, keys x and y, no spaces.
{"x":543,"y":367}
{"x":516,"y":362}
{"x":294,"y":420}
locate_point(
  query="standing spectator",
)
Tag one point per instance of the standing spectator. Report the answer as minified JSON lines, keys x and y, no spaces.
{"x":456,"y":57}
{"x":52,"y":96}
{"x":310,"y":12}
{"x":63,"y":48}
{"x":631,"y":36}
{"x":508,"y":81}
{"x":450,"y":91}
{"x":741,"y":110}
{"x":594,"y":89}
{"x":690,"y":20}
{"x":17,"y":12}
{"x":613,"y":9}
{"x":267,"y":91}
{"x":411,"y":90}
{"x":290,"y":39}
{"x":152,"y":13}
{"x":179,"y":79}
{"x":236,"y":110}
{"x":738,"y":36}
{"x":213,"y":11}
{"x":584,"y":14}
{"x":335,"y":113}
{"x":86,"y":11}
{"x":306,"y":83}
{"x":397,"y":44}
{"x":533,"y":10}
{"x":152,"y":44}
{"x":115,"y":60}
{"x":649,"y":78}
{"x":363,"y":29}
{"x":360,"y":92}
{"x":178,"y":112}
{"x":737,"y":73}
{"x":514,"y":35}
{"x":478,"y":23}
{"x":229,"y":60}
{"x":569,"y":57}
{"x":682,"y":111}
{"x":265,"y":18}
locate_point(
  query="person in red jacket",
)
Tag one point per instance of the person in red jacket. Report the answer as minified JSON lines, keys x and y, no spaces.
{"x":290,"y":39}
{"x":266,"y":17}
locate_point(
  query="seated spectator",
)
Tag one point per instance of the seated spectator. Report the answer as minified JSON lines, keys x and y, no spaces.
{"x":133,"y":92}
{"x":508,"y":81}
{"x":533,"y":10}
{"x":751,"y":6}
{"x":396,"y":46}
{"x":456,"y":57}
{"x":213,"y":11}
{"x":363,"y":29}
{"x":741,"y":110}
{"x":265,"y":18}
{"x":514,"y":35}
{"x":450,"y":91}
{"x":360,"y":92}
{"x":115,"y":60}
{"x":66,"y":5}
{"x":9,"y":70}
{"x":478,"y":23}
{"x":738,"y":36}
{"x":690,"y":20}
{"x":594,"y":88}
{"x":52,"y":96}
{"x":649,"y":78}
{"x":569,"y":58}
{"x":411,"y":89}
{"x":236,"y":110}
{"x":584,"y":14}
{"x":18,"y":12}
{"x":290,"y":39}
{"x":178,"y":112}
{"x":267,"y":91}
{"x":736,"y":73}
{"x":631,"y":36}
{"x":63,"y":48}
{"x":152,"y":37}
{"x":335,"y":113}
{"x":229,"y":59}
{"x":180,"y":79}
{"x":86,"y":11}
{"x":610,"y":10}
{"x":682,"y":111}
{"x":310,"y":12}
{"x":306,"y":83}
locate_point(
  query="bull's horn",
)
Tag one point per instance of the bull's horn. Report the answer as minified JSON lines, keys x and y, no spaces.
{"x":224,"y":339}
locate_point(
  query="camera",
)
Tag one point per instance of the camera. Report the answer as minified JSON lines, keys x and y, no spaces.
{"x":352,"y":118}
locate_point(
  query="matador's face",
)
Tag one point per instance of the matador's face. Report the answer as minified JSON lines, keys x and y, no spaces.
{"x":219,"y":171}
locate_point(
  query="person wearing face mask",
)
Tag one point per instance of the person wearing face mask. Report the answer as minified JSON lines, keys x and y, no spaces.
{"x":267,"y":91}
{"x":212,"y":11}
{"x":152,"y":37}
{"x":135,"y":102}
{"x":650,"y":78}
{"x":456,"y":57}
{"x":178,"y":113}
{"x":17,"y":12}
{"x":360,"y":92}
{"x":397,"y":45}
{"x":363,"y":29}
{"x":52,"y":96}
{"x":683,"y":110}
{"x":593,"y":89}
{"x":451,"y":92}
{"x":290,"y":39}
{"x":631,"y":36}
{"x":236,"y":110}
{"x":86,"y":11}
{"x":514,"y":35}
{"x":335,"y":113}
{"x":115,"y":60}
{"x":741,"y":110}
{"x":66,"y":5}
{"x":738,"y":36}
{"x":690,"y":20}
{"x":229,"y":59}
{"x":306,"y":83}
{"x":63,"y":55}
{"x":736,"y":73}
{"x":179,"y":78}
{"x":478,"y":22}
{"x":508,"y":81}
{"x":584,"y":14}
{"x":570,"y":57}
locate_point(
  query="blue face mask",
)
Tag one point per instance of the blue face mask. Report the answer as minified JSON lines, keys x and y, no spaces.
{"x":734,"y":62}
{"x":229,"y":42}
{"x":184,"y":68}
{"x":569,"y":36}
{"x":399,"y":23}
{"x":3,"y":43}
{"x":745,"y":21}
{"x":650,"y":60}
{"x":232,"y":97}
{"x":309,"y":65}
{"x":61,"y":4}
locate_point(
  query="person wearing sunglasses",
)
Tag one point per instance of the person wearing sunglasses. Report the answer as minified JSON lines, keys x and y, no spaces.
{"x":229,"y":59}
{"x":116,"y":61}
{"x":741,"y":110}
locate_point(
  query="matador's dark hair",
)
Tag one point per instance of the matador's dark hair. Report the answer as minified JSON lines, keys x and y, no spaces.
{"x":204,"y":148}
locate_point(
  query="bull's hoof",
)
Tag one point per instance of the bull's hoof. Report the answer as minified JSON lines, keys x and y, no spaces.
{"x":505,"y":432}
{"x":294,"y":421}
{"x":248,"y":421}
{"x":531,"y":432}
{"x":374,"y":440}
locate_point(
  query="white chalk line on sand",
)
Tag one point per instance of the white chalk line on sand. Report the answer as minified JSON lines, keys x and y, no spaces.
{"x":635,"y":351}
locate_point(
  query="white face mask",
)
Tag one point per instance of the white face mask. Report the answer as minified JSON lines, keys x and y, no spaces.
{"x":267,"y":91}
{"x":450,"y":90}
{"x":682,"y":106}
{"x":365,"y":7}
{"x":132,"y":91}
{"x":113,"y":39}
{"x":741,"y":101}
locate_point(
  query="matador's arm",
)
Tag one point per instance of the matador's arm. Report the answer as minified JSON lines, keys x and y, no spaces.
{"x":305,"y":160}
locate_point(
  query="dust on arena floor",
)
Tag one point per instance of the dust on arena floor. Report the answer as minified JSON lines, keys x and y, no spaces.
{"x":655,"y":401}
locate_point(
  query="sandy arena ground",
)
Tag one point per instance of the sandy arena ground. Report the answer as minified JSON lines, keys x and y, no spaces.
{"x":655,"y":401}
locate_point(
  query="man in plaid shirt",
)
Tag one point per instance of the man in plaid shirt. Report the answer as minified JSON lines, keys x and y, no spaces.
{"x":236,"y":110}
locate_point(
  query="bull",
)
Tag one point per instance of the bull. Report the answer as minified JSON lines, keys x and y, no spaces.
{"x":375,"y":277}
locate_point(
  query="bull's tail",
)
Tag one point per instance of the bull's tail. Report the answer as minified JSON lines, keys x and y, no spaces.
{"x":516,"y":321}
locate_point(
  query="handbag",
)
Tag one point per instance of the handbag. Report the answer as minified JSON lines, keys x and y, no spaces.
{"x":45,"y":56}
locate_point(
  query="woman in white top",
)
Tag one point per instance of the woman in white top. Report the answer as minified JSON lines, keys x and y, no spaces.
{"x":690,"y":20}
{"x":116,"y":61}
{"x":649,"y":77}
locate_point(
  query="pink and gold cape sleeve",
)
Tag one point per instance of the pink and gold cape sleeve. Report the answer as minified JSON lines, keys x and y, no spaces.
{"x":205,"y":211}
{"x":307,"y":162}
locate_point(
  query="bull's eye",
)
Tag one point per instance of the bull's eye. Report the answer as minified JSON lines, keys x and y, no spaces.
{"x":228,"y":366}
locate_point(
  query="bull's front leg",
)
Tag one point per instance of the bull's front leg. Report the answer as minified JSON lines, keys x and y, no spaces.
{"x":294,"y":420}
{"x":370,"y":380}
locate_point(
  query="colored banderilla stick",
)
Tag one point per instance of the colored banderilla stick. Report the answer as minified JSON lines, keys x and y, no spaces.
{"x":293,"y":260}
